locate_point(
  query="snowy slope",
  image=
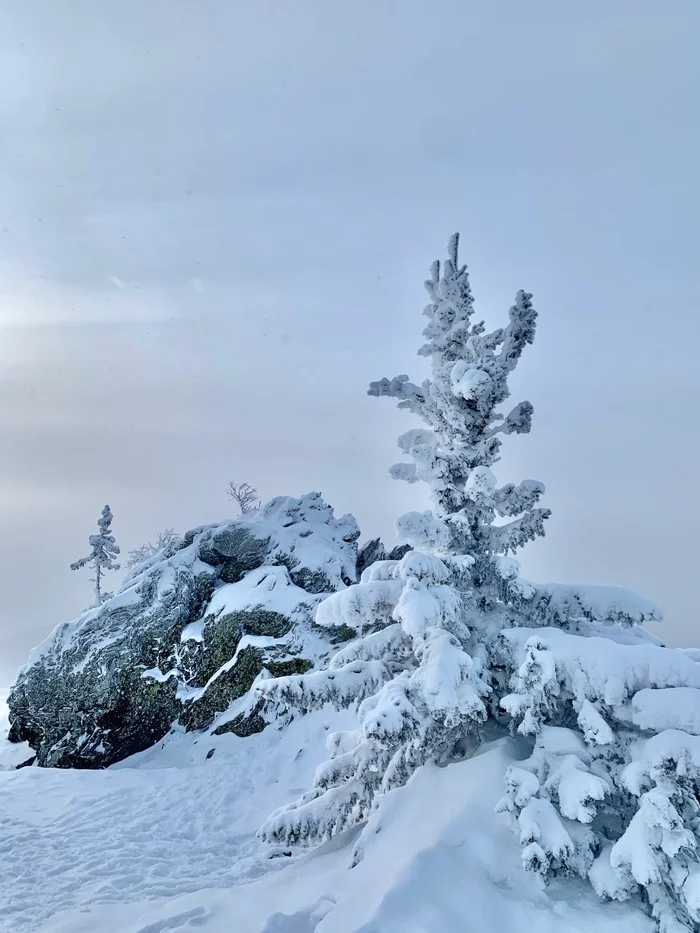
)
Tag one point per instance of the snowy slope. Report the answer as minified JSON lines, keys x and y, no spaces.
{"x":165,"y":841}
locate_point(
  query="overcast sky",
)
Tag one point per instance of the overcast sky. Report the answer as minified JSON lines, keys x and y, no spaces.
{"x":215,"y":222}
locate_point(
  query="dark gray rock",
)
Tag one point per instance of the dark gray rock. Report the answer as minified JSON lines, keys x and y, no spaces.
{"x":82,"y":701}
{"x":313,"y":581}
{"x":369,"y":553}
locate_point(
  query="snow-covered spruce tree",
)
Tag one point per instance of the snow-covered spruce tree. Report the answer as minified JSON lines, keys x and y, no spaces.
{"x":420,"y":669}
{"x":102,"y":555}
{"x":612,"y":789}
{"x":451,"y":633}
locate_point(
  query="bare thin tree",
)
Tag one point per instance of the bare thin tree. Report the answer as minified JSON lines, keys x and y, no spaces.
{"x":244,"y":495}
{"x":166,"y":540}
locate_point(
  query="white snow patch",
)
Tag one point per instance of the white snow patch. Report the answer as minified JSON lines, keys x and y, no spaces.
{"x":670,"y":708}
{"x":144,"y":851}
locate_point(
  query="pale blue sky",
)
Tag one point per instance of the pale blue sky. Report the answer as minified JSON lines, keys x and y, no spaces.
{"x":216,"y":218}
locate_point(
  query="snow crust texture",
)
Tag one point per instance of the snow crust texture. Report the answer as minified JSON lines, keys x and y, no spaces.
{"x":165,"y":841}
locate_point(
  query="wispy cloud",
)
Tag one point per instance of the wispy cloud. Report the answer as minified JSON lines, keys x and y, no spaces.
{"x":30,"y":298}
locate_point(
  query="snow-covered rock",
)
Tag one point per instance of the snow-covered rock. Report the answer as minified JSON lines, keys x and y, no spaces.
{"x":186,"y":635}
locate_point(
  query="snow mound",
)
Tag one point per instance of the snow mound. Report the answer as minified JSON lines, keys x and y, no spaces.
{"x":667,"y":708}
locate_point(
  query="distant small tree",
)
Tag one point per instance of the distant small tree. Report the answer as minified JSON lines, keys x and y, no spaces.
{"x":244,"y":495}
{"x":164,"y":541}
{"x":103,"y":551}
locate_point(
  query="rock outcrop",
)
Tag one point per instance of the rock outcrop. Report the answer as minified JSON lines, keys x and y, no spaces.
{"x":185,"y":637}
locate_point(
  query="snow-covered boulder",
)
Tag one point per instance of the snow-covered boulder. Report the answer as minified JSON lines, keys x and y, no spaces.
{"x":186,"y":635}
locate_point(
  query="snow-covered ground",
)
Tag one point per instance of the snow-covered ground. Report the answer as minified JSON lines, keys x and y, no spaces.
{"x":165,"y":842}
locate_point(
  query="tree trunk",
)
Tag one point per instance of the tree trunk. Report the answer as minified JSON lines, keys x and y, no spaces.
{"x":98,"y":592}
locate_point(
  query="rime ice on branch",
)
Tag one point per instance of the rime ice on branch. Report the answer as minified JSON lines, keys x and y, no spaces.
{"x":459,"y":404}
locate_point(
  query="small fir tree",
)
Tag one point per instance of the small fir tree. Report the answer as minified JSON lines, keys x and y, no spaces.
{"x":103,"y":552}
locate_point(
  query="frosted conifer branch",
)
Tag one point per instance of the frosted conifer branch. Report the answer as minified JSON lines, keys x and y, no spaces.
{"x":341,"y":686}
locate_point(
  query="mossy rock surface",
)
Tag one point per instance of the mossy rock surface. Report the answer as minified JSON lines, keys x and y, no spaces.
{"x":86,"y":705}
{"x":261,"y":621}
{"x":209,"y":555}
{"x":203,"y":588}
{"x":231,"y":684}
{"x":231,"y":572}
{"x":242,"y":726}
{"x":220,"y":638}
{"x":144,"y":713}
{"x":141,"y":713}
{"x":221,"y":635}
{"x":241,"y":546}
{"x":313,"y":581}
{"x":228,"y":686}
{"x":286,"y":668}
